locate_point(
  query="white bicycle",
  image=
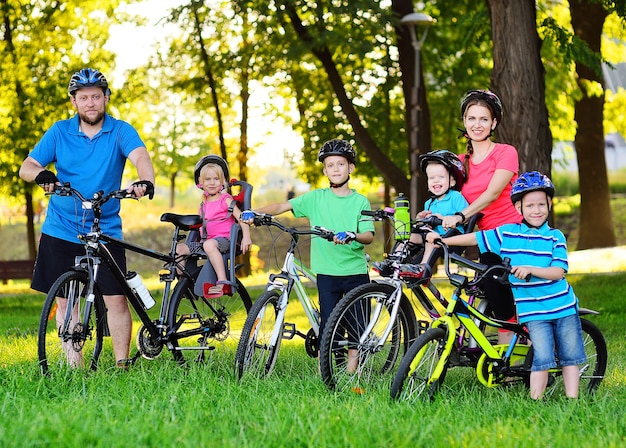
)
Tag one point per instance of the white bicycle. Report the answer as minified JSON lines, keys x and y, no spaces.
{"x":265,"y":327}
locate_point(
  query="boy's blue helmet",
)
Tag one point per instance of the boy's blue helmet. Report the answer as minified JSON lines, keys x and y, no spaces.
{"x":88,"y":77}
{"x":337,"y":147}
{"x":531,"y":181}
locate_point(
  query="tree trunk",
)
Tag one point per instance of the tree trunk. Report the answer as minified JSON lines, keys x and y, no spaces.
{"x":30,"y":225}
{"x":242,"y":157}
{"x":596,"y":223}
{"x":210,"y":78}
{"x":388,"y":170}
{"x":518,"y":79}
{"x":172,"y":190}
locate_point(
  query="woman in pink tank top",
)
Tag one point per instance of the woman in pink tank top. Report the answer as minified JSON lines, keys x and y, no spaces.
{"x":491,"y":171}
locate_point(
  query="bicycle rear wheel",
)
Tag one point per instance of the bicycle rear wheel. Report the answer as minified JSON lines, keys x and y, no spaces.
{"x":350,"y":359}
{"x":198,"y":324}
{"x":72,"y":326}
{"x":414,"y":378}
{"x":256,"y":353}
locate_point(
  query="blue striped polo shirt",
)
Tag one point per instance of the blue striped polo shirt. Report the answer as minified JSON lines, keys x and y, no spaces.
{"x":538,"y":299}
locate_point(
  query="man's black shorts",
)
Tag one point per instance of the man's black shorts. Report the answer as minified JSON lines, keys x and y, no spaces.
{"x":56,"y":256}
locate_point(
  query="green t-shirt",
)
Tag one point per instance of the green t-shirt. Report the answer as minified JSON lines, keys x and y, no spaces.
{"x":339,"y":214}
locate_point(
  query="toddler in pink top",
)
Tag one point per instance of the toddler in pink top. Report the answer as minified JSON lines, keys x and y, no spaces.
{"x":219,"y":212}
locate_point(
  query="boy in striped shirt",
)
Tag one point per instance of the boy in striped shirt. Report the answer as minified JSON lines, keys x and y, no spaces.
{"x":546,"y":304}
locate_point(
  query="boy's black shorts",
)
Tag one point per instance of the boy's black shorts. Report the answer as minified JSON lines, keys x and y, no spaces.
{"x":56,"y":256}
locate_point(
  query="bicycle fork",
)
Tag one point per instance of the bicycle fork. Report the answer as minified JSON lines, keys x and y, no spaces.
{"x":395,"y":298}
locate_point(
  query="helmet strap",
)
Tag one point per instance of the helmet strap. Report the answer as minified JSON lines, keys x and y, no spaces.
{"x":437,"y":196}
{"x":530,"y":225}
{"x":332,"y":185}
{"x":486,"y":138}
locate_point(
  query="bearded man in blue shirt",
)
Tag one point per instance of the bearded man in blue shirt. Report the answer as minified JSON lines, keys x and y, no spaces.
{"x":89,"y":151}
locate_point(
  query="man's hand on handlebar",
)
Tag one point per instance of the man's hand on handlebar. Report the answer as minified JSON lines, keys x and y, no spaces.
{"x":142,"y":188}
{"x":47,"y":180}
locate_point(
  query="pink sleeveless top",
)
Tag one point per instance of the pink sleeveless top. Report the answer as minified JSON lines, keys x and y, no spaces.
{"x":217,"y":220}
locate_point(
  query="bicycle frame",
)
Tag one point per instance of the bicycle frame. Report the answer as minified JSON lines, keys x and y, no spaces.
{"x":286,"y":281}
{"x":265,"y":325}
{"x":468,"y":317}
{"x":97,"y":252}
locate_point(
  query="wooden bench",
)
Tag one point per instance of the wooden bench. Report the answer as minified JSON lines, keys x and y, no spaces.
{"x":16,"y":269}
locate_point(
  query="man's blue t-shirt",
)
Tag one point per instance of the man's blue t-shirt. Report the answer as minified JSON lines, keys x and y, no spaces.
{"x":90,"y":165}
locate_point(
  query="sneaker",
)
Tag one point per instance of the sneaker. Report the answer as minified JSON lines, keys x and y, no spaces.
{"x":415,"y":271}
{"x":384,"y":268}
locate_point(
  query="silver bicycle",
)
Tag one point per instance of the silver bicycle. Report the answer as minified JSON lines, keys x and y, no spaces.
{"x":265,"y":327}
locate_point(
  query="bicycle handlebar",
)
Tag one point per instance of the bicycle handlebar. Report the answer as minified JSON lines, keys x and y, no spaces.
{"x":99,"y":198}
{"x":420,"y":224}
{"x":380,"y":214}
{"x":263,"y":219}
{"x":499,"y":272}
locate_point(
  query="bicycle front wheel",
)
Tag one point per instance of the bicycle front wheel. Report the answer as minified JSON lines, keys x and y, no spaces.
{"x":257,"y":351}
{"x":355,"y":349}
{"x":72,"y":325}
{"x":415,"y":377}
{"x":197,"y":324}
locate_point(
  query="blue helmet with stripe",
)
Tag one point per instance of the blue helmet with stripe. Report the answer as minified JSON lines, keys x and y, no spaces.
{"x":531,"y":181}
{"x":88,"y":77}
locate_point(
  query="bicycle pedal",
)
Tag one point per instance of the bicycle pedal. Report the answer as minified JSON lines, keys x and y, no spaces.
{"x":289,"y":330}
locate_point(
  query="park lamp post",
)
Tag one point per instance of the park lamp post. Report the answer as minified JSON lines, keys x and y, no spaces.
{"x":413,"y":21}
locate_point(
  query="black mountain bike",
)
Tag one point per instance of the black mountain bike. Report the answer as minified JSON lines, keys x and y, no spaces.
{"x":73,"y":322}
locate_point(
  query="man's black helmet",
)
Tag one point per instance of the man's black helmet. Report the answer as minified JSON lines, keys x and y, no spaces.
{"x":489,"y":98}
{"x":337,"y":147}
{"x":88,"y":77}
{"x":212,"y":158}
{"x":448,"y":159}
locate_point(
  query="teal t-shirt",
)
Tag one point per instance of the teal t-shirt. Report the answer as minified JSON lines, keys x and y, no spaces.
{"x":339,"y":214}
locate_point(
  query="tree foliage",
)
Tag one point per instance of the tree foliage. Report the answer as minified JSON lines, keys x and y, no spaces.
{"x":42,"y":44}
{"x":344,"y":68}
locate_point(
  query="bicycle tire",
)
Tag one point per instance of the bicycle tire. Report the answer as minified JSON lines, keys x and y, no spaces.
{"x":414,"y":376}
{"x":197,"y":324}
{"x":72,"y":339}
{"x":345,"y":325}
{"x":593,"y":370}
{"x":256,"y":356}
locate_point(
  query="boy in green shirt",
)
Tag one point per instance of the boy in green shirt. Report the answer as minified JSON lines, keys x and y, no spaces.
{"x":340,"y":266}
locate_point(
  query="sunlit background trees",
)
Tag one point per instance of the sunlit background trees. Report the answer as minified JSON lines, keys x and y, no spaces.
{"x":265,"y":82}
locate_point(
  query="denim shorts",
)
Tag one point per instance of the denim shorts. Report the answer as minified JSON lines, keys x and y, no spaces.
{"x":567,"y":331}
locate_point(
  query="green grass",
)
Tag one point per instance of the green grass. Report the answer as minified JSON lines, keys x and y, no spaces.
{"x":158,"y":403}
